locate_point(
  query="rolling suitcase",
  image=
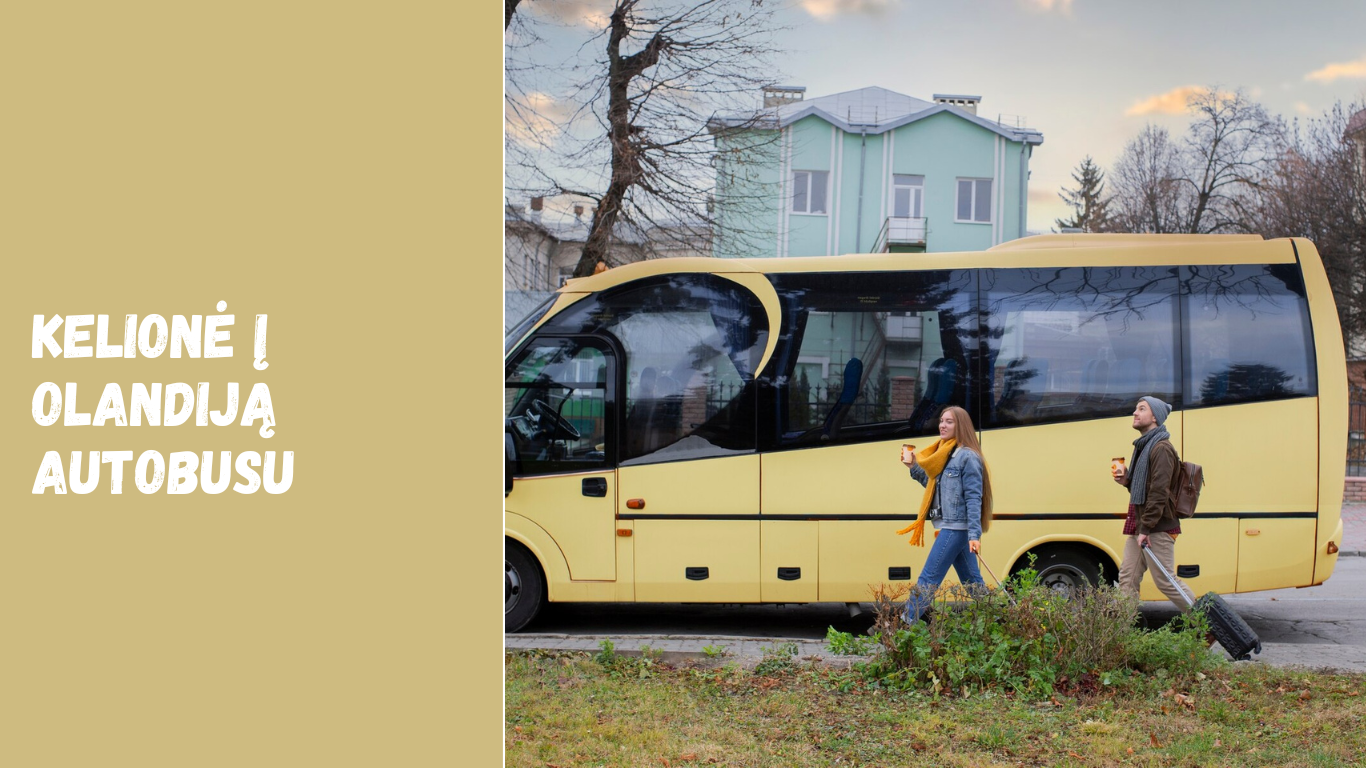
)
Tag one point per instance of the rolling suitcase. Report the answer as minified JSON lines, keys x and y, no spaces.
{"x":1233,"y":634}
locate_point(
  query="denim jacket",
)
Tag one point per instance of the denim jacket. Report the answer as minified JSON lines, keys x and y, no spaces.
{"x":960,"y":492}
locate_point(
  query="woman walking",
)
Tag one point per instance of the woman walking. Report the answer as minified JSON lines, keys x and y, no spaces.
{"x":957,"y":500}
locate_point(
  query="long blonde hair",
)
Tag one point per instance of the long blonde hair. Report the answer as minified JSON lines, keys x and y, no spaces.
{"x":966,"y":437}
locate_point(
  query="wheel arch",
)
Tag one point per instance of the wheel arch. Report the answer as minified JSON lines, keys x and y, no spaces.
{"x":1110,"y":565}
{"x":543,"y":550}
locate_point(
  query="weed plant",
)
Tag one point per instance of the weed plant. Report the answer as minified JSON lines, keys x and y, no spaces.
{"x":1028,"y":640}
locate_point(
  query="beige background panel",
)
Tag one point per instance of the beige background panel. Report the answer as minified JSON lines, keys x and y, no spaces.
{"x":300,"y":160}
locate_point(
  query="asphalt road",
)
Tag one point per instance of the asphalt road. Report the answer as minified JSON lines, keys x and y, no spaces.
{"x":1332,"y":614}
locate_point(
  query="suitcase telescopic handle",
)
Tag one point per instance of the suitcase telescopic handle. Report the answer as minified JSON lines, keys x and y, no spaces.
{"x":993,"y":578}
{"x":1170,"y":579}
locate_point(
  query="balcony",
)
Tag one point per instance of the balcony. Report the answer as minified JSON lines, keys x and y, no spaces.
{"x":901,"y":235}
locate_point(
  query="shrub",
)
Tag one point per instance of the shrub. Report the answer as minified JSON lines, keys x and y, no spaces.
{"x":1025,"y":639}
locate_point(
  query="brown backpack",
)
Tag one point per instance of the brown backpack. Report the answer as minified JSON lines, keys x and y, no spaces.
{"x":1190,"y":478}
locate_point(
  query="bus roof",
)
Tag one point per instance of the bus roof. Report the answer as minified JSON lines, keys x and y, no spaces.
{"x":1040,"y":251}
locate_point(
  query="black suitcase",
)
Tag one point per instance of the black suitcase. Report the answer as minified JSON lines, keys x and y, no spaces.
{"x":1233,"y":634}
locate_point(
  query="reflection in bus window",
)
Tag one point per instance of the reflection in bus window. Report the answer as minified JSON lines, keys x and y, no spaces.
{"x":555,"y":404}
{"x":1248,"y":334}
{"x":691,"y":342}
{"x":877,"y":355}
{"x":1078,"y":343}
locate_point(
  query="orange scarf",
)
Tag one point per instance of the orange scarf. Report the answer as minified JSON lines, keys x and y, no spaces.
{"x":932,"y":459}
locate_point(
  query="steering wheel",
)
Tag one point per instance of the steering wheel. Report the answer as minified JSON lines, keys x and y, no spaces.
{"x":558,"y":424}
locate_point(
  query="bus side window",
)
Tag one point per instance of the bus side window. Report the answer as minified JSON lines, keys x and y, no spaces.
{"x":691,"y":342}
{"x":1247,"y":334}
{"x":556,"y":405}
{"x":1079,"y":342}
{"x":873,"y":355}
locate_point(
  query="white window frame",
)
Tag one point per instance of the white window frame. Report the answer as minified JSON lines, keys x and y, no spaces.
{"x":807,"y":181}
{"x":917,"y":196}
{"x":972,"y":212}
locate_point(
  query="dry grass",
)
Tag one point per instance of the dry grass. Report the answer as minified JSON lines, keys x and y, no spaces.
{"x":568,"y":710}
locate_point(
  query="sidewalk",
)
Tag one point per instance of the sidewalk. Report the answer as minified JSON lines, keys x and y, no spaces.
{"x":676,"y":649}
{"x":1353,"y":530}
{"x":749,"y":651}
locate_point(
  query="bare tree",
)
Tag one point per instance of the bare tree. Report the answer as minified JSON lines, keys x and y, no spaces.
{"x":637,"y":141}
{"x":1148,"y":194}
{"x":1316,"y":189}
{"x":1228,"y":149}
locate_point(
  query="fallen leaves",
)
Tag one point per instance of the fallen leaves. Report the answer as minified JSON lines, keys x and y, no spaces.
{"x":1153,"y":738}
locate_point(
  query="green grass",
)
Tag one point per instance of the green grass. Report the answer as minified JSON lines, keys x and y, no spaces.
{"x":570,"y":710}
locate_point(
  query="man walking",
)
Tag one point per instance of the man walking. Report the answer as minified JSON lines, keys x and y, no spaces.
{"x":1152,"y":516}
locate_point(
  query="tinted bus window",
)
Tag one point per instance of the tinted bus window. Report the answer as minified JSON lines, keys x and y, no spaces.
{"x":869,"y":356}
{"x":1248,"y":334}
{"x":1078,"y":343}
{"x":692,"y":342}
{"x":556,"y":405}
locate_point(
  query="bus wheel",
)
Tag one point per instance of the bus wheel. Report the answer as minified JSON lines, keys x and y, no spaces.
{"x":523,"y":587}
{"x":1065,"y":569}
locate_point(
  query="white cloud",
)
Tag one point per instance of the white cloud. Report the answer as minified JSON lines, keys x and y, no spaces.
{"x":1256,"y":92}
{"x":1302,"y":108}
{"x":1045,"y":6}
{"x":828,"y":9}
{"x":1172,"y":102}
{"x":1355,"y":70}
{"x":538,"y":116}
{"x":588,"y":13}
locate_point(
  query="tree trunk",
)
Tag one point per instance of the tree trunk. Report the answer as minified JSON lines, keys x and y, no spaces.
{"x":509,"y":8}
{"x":621,"y":134}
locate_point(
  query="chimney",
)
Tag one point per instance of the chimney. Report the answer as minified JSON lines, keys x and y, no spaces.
{"x":966,"y":103}
{"x":778,"y":95}
{"x":537,"y":203}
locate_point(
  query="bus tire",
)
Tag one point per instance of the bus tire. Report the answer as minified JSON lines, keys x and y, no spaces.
{"x":523,"y":587}
{"x":1065,"y":568}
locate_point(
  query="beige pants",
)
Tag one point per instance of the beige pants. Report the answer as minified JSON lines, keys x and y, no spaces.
{"x":1135,"y":564}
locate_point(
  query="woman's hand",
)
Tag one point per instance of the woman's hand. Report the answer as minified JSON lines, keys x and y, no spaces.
{"x":912,"y":463}
{"x":975,"y":546}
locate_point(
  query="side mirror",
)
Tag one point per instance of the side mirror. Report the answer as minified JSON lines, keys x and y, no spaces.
{"x":509,"y":462}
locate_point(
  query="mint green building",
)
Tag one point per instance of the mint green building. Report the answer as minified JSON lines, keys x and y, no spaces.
{"x":868,"y":171}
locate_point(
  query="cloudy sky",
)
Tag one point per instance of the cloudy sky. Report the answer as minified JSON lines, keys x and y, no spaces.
{"x":1087,"y":73}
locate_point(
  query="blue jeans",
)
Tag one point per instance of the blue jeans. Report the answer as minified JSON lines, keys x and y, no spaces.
{"x":950,"y":548}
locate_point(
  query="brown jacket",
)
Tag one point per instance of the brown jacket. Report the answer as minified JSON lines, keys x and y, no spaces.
{"x":1158,"y":511}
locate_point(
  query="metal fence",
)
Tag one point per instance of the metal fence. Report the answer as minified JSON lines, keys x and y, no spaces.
{"x":1356,"y":432}
{"x":808,"y":407}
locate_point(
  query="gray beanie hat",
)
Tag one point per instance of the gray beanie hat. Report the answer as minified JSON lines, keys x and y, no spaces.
{"x":1159,"y":408}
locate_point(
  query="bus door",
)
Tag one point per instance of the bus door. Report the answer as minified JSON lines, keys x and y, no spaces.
{"x":689,"y":470}
{"x":872,"y":359}
{"x":559,"y":405}
{"x":695,"y":525}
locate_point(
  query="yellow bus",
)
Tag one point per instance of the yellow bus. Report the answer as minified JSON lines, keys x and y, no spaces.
{"x":728,"y":431}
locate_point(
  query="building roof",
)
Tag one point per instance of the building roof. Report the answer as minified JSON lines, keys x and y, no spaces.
{"x":872,"y":110}
{"x":1357,"y":123}
{"x":566,"y":227}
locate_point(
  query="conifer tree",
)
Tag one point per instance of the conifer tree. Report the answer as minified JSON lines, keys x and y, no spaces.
{"x":1088,"y":201}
